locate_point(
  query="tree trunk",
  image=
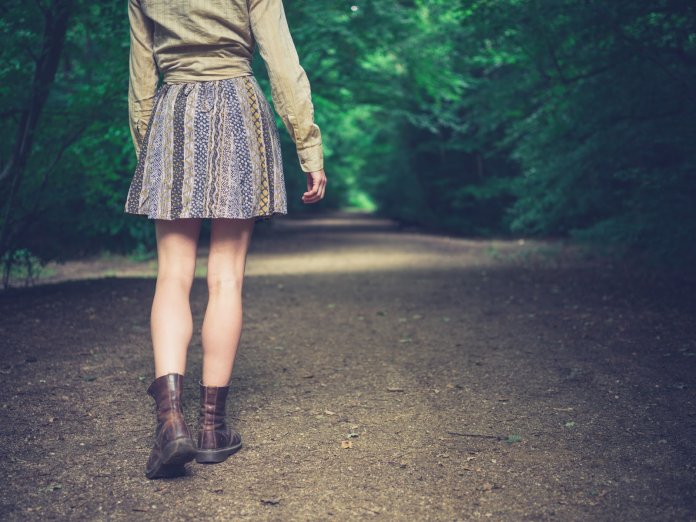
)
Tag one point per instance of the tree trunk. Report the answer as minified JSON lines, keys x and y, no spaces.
{"x":56,"y":16}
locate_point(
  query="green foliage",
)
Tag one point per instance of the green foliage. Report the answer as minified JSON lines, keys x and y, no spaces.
{"x":601,"y":122}
{"x":71,"y":199}
{"x":21,"y":264}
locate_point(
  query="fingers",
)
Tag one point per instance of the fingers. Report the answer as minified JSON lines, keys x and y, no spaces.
{"x":316,"y":185}
{"x":316,"y":193}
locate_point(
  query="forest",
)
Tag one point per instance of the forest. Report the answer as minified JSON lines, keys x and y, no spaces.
{"x":550,"y":118}
{"x":489,"y":316}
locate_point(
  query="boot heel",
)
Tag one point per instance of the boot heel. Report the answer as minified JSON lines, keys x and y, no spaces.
{"x":216,"y":456}
{"x":172,"y":461}
{"x":178,"y":452}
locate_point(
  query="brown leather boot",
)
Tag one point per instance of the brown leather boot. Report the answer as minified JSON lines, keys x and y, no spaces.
{"x":216,"y":440}
{"x":174,"y":446}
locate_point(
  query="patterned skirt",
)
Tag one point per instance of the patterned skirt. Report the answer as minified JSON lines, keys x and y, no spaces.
{"x":211,"y":150}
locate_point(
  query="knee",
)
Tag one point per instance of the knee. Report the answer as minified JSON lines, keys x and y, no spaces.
{"x":173,"y":279}
{"x":224,"y":284}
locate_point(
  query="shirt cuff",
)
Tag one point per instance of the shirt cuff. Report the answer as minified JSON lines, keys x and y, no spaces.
{"x":311,"y":158}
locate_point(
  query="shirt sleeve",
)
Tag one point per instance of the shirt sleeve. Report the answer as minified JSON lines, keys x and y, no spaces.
{"x":143,"y":73}
{"x":290,"y":87}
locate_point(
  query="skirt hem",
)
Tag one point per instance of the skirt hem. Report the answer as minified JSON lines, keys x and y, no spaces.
{"x":258,"y":217}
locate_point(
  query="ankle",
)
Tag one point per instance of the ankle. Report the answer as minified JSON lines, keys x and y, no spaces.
{"x":212,"y":383}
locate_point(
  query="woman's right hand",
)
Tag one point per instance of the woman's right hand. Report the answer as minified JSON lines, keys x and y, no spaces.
{"x":316,"y":187}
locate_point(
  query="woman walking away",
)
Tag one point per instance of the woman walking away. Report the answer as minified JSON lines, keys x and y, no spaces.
{"x":207,"y":147}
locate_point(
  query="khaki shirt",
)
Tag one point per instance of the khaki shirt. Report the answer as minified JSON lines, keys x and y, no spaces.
{"x":194,"y":40}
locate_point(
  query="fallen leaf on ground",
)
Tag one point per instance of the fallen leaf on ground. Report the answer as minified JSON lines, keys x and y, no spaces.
{"x":346,"y":444}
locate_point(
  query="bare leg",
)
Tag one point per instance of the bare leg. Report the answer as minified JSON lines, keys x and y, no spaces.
{"x":171,"y":321}
{"x":222,"y":325}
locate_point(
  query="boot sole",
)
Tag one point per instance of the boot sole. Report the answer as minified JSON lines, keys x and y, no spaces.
{"x":173,"y":459}
{"x":217,"y":455}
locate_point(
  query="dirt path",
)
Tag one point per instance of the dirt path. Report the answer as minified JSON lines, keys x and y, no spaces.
{"x":477,"y":380}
